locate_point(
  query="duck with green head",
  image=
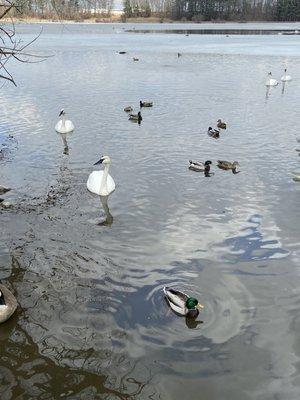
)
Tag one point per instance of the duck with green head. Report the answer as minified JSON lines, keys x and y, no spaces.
{"x":181,"y":303}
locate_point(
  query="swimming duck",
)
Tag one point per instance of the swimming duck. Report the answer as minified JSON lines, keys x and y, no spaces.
{"x":136,"y":117}
{"x":122,"y":52}
{"x":199,"y":166}
{"x":146,"y":103}
{"x":128,"y":109}
{"x":4,"y":189}
{"x":100,"y":182}
{"x":135,"y":59}
{"x":271,"y":81}
{"x":8,"y":304}
{"x":286,"y":77}
{"x":63,"y":125}
{"x":181,"y":303}
{"x":213,"y":132}
{"x":228,"y":165}
{"x":221,"y":124}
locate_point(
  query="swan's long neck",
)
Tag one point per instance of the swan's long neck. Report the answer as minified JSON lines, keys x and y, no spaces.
{"x":103,"y":187}
{"x":63,"y":121}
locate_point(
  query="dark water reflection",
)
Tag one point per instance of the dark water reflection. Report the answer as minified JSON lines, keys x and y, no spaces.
{"x":219,"y":31}
{"x":88,"y":272}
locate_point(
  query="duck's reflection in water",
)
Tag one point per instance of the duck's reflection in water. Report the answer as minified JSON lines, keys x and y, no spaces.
{"x":192,"y":323}
{"x":108,"y":217}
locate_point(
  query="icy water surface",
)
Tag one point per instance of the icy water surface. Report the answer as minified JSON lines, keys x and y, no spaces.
{"x":88,"y":273}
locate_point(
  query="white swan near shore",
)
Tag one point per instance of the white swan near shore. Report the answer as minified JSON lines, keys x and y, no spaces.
{"x":100,"y":182}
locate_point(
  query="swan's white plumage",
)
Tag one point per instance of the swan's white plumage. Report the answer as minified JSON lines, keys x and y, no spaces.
{"x":271,"y":81}
{"x":64,"y":127}
{"x":286,"y":77}
{"x":94,"y":183}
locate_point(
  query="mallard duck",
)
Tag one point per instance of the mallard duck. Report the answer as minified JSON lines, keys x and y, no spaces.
{"x":8,"y":304}
{"x":4,"y":189}
{"x":221,"y":124}
{"x":227,"y":164}
{"x":136,"y":117}
{"x":286,"y":77}
{"x":213,"y":132}
{"x":128,"y":109}
{"x":146,"y":103}
{"x":199,"y":166}
{"x":181,"y":303}
{"x":271,"y":81}
{"x":122,"y":52}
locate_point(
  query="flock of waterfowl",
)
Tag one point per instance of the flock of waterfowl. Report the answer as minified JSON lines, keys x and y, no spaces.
{"x":137,"y":117}
{"x":102,"y":184}
{"x":274,"y":82}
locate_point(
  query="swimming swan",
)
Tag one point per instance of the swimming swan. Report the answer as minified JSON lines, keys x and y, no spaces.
{"x":8,"y":304}
{"x":63,"y":125}
{"x":271,"y":81}
{"x":286,"y":77}
{"x":100,"y":182}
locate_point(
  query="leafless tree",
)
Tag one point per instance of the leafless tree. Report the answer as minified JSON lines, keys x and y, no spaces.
{"x":11,"y":45}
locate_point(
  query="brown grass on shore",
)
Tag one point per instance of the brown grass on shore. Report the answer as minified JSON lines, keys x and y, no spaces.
{"x":91,"y":20}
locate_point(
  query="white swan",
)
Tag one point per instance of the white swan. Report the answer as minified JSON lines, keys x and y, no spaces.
{"x":286,"y":77}
{"x":64,"y":125}
{"x":271,"y":81}
{"x":100,"y":182}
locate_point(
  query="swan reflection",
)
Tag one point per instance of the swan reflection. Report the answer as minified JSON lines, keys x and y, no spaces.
{"x":64,"y":137}
{"x":108,"y":217}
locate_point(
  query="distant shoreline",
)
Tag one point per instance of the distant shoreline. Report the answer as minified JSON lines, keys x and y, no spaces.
{"x":139,"y":20}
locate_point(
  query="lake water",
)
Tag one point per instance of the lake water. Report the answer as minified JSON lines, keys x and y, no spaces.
{"x":92,"y":321}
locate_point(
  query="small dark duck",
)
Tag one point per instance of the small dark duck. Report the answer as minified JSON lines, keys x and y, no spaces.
{"x":146,"y":103}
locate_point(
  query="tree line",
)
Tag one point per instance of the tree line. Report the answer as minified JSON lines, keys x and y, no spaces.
{"x":189,"y":10}
{"x":216,"y":10}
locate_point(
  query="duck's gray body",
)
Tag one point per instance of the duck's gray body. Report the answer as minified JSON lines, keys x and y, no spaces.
{"x":176,"y":300}
{"x":10,"y":306}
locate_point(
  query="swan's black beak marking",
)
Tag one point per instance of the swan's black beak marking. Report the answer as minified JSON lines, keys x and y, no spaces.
{"x":100,"y":161}
{"x":61,"y":113}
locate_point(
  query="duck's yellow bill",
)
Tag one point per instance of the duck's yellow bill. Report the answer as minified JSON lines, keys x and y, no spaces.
{"x":200,"y":306}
